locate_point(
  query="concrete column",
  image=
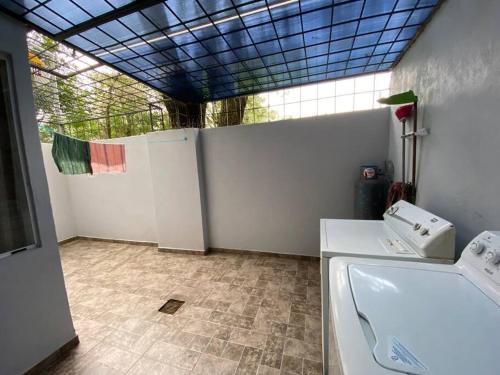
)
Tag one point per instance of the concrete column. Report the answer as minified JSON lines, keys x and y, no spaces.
{"x":178,"y":187}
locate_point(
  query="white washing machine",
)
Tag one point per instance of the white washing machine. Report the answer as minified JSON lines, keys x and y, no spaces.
{"x":406,"y":233}
{"x":393,"y":317}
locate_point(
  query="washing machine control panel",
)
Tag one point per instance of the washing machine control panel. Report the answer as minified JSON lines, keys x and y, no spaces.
{"x":427,"y":234}
{"x":483,"y":252}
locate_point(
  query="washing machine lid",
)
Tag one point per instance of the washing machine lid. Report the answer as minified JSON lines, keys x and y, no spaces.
{"x":427,"y":322}
{"x":364,"y":238}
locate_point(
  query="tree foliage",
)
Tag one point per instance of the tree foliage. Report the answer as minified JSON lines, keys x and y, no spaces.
{"x":102,"y":103}
{"x":250,"y":109}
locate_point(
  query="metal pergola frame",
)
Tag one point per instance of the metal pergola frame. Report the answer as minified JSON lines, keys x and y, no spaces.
{"x":106,"y":17}
{"x":246,"y":75}
{"x":131,"y":94}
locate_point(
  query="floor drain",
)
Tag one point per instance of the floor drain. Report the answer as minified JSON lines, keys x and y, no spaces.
{"x":171,"y":306}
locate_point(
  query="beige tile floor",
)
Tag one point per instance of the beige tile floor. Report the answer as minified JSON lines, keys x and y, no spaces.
{"x":244,"y":313}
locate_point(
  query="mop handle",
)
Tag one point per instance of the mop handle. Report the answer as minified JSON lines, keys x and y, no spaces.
{"x":403,"y":162}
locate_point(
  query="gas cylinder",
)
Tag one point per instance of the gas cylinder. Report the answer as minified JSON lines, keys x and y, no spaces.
{"x":371,"y":193}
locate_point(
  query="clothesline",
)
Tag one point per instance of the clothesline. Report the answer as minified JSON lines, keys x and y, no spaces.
{"x":170,"y":141}
{"x":177,"y":140}
{"x":75,"y":156}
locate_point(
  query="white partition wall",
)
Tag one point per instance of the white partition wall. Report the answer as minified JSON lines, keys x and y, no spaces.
{"x":60,"y":198}
{"x":259,"y":187}
{"x":117,"y":206}
{"x":159,"y":198}
{"x":178,"y":189}
{"x":268,"y":185}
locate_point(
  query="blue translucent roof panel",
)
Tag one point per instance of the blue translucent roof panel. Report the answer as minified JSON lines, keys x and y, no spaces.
{"x":202,"y":50}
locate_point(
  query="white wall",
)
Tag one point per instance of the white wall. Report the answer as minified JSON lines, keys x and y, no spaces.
{"x":261,"y":187}
{"x":159,"y":199}
{"x":34,"y":313}
{"x":454,"y":68}
{"x":117,"y":206}
{"x":178,"y":189}
{"x":267,"y":186}
{"x":60,"y":198}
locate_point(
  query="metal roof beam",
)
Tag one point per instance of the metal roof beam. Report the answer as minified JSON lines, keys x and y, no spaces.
{"x":106,"y":17}
{"x":53,"y":72}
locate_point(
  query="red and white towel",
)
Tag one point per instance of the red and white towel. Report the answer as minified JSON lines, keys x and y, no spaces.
{"x":107,"y":158}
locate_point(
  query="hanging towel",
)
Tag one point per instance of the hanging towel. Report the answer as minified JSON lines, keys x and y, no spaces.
{"x":71,"y":155}
{"x":107,"y":158}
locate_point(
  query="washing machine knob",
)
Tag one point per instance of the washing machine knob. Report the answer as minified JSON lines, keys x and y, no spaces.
{"x":477,"y":247}
{"x":494,"y":257}
{"x":424,"y":231}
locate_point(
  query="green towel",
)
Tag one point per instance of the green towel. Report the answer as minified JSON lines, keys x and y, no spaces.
{"x":71,"y":155}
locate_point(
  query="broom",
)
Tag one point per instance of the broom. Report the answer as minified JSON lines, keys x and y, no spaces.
{"x":403,"y":189}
